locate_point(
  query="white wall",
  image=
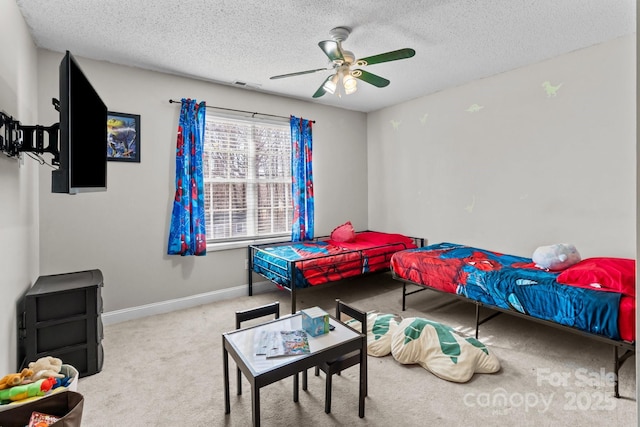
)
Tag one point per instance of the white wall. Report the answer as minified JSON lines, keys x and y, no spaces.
{"x":18,"y":182}
{"x":526,"y":169}
{"x":124,"y":230}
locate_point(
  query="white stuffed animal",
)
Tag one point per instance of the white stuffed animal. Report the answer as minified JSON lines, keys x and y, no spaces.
{"x":46,"y":367}
{"x":556,"y":257}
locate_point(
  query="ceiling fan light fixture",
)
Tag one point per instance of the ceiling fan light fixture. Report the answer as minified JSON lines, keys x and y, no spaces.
{"x":350,"y":90}
{"x":344,"y":79}
{"x":330,"y":85}
{"x":350,"y":84}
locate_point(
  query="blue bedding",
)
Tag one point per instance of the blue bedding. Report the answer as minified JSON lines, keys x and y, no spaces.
{"x":509,"y":282}
{"x":311,"y":263}
{"x":275,"y":262}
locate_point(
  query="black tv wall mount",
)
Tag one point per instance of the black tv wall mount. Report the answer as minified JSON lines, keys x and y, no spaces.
{"x":18,"y":138}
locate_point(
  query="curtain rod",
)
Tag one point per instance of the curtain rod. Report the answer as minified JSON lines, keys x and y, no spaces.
{"x":239,"y":111}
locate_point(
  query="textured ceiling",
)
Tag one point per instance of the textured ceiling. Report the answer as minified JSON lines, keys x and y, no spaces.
{"x":456,"y":41}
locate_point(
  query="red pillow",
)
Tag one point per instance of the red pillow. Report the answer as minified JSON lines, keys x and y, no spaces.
{"x":344,"y":233}
{"x":607,"y":274}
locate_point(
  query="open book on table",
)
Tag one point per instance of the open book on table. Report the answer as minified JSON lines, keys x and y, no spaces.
{"x":283,"y":343}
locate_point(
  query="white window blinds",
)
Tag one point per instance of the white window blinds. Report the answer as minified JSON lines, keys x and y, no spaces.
{"x":247,"y":178}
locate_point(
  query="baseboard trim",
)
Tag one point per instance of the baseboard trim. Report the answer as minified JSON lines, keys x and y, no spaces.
{"x":118,"y":316}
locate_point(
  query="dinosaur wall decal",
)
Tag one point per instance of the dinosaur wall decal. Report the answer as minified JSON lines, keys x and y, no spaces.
{"x":550,"y":89}
{"x":475,"y":108}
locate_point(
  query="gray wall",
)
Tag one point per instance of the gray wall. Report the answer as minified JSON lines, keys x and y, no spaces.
{"x":19,"y":251}
{"x":124,"y":230}
{"x":637,"y":129}
{"x":524,"y":170}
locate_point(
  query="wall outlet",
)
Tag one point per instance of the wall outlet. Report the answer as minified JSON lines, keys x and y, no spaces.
{"x":246,"y":264}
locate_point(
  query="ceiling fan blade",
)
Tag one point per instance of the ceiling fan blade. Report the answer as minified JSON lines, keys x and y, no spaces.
{"x":321,"y":90}
{"x":386,"y":57}
{"x":299,"y":73}
{"x":370,"y":78}
{"x":332,"y":49}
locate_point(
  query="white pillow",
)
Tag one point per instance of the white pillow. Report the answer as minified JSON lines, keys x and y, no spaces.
{"x":556,"y":257}
{"x":441,"y":350}
{"x":380,"y":329}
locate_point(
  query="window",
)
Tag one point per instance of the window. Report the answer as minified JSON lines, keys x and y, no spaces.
{"x":247,"y":178}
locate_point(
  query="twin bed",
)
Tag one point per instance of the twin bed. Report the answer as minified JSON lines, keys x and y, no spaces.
{"x":595,"y":297}
{"x":293,"y":266}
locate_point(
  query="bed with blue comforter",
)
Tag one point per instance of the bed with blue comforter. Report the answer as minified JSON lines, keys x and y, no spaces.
{"x":595,"y":297}
{"x":298,"y":265}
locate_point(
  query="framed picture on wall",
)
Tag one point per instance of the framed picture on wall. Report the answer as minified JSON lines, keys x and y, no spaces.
{"x":123,"y":137}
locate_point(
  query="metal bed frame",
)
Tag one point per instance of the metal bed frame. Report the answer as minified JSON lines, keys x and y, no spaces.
{"x":618,"y":359}
{"x":292,"y":266}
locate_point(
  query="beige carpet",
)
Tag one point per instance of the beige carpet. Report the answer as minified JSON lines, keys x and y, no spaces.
{"x":166,"y":370}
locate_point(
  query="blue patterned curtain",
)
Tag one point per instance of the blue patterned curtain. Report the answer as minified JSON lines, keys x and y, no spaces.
{"x":187,"y":235}
{"x":301,"y":179}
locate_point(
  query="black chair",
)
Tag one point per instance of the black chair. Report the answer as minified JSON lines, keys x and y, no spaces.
{"x":255,"y":313}
{"x":338,"y":365}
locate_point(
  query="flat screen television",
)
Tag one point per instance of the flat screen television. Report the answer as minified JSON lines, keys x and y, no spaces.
{"x":83,"y":134}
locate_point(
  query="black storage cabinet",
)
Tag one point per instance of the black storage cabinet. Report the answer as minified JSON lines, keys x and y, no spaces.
{"x":62,"y":317}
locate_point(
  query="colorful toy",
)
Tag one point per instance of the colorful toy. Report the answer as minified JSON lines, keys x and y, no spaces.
{"x":12,"y":380}
{"x":46,"y":367}
{"x":20,"y":392}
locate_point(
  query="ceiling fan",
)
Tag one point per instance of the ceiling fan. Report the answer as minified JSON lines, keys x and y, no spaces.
{"x":342,"y":62}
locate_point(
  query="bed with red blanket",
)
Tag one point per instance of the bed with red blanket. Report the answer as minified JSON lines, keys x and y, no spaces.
{"x":297,"y":265}
{"x":594,"y":297}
